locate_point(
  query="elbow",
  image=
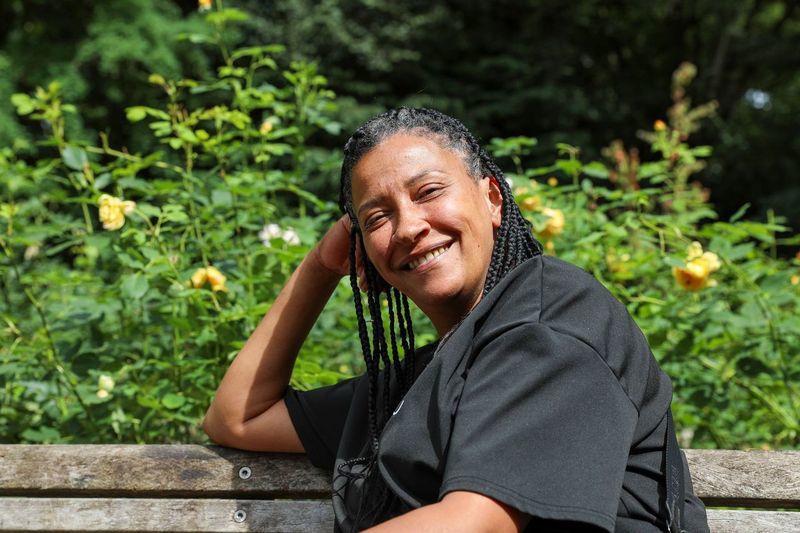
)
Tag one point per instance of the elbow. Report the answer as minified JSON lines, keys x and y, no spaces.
{"x":221,"y":433}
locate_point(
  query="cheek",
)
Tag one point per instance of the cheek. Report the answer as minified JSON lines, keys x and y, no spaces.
{"x":376,"y":244}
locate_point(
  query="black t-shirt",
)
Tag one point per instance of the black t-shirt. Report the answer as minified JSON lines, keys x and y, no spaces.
{"x":546,"y":397}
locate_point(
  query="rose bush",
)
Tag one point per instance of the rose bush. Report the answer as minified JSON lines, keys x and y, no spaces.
{"x":130,"y":280}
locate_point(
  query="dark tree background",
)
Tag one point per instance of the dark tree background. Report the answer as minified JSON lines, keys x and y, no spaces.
{"x":583,"y":72}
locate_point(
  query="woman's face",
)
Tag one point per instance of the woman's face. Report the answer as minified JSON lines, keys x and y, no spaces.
{"x":428,"y":226}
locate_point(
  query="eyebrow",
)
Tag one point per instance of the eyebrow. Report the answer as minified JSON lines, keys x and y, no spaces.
{"x":408,"y":183}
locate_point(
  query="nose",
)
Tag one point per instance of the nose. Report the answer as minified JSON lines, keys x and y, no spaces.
{"x":410,"y":226}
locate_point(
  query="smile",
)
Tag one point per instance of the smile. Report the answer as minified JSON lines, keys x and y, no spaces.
{"x":414,"y":263}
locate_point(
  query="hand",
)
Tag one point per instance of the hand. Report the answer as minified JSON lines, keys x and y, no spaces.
{"x":333,"y":253}
{"x":333,"y":250}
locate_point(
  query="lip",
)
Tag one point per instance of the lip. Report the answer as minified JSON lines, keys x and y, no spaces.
{"x":404,"y":263}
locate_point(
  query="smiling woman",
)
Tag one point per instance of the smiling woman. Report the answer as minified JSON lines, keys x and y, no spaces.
{"x":539,"y":408}
{"x":428,"y":226}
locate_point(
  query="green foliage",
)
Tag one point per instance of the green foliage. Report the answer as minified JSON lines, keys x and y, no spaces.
{"x":582,"y":71}
{"x":130,"y":279}
{"x":113,"y":335}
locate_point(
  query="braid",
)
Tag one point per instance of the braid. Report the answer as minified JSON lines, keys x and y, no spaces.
{"x":401,"y":377}
{"x":379,"y":351}
{"x":372,"y":372}
{"x":406,"y":337}
{"x":513,"y":244}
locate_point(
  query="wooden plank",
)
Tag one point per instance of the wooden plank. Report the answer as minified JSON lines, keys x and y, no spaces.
{"x":219,"y":515}
{"x":156,"y":471}
{"x":721,"y":477}
{"x":746,"y":478}
{"x":720,"y":521}
{"x":169,"y":515}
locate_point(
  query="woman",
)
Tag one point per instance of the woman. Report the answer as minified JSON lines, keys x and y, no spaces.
{"x":540,"y":408}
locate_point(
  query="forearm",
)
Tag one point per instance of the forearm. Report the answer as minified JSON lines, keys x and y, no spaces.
{"x":258,"y":376}
{"x":462,"y":512}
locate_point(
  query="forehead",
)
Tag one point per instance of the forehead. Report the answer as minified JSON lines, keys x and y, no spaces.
{"x":400,"y":158}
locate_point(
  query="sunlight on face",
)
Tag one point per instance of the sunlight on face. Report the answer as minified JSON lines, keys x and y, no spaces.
{"x":428,"y":226}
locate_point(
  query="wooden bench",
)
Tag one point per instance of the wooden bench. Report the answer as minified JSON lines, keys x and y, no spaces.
{"x":210,"y":488}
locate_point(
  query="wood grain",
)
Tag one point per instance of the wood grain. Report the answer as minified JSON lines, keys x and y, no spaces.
{"x":219,"y":515}
{"x":753,"y":521}
{"x":746,"y":478}
{"x":720,"y":477}
{"x":200,"y":488}
{"x":146,"y":515}
{"x":155,"y":471}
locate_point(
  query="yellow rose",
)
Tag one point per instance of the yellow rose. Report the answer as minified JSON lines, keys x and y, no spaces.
{"x":204,"y":5}
{"x":113,"y":211}
{"x":699,"y":266}
{"x":794,"y":280}
{"x":659,"y":125}
{"x":694,"y":251}
{"x":692,"y":277}
{"x":216,"y":279}
{"x":531,"y":203}
{"x":199,"y":278}
{"x":265,"y":128}
{"x":554,"y":224}
{"x":552,"y":181}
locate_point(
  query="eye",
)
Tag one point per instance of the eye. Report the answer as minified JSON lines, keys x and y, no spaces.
{"x":373,"y":220}
{"x":429,"y":191}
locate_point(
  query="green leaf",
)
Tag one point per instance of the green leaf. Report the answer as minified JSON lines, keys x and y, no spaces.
{"x":44,"y":435}
{"x":148,"y":210}
{"x":740,"y":213}
{"x":196,"y":38}
{"x":101,"y":181}
{"x":173,"y":401}
{"x":596,"y":169}
{"x":147,"y":401}
{"x":74,"y":157}
{"x":136,"y":113}
{"x":25,"y":104}
{"x":134,"y":286}
{"x":250,"y":51}
{"x":174,"y":213}
{"x":227,"y":15}
{"x":221,"y":197}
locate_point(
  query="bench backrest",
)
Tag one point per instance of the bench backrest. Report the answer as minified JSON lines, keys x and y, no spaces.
{"x":211,"y":488}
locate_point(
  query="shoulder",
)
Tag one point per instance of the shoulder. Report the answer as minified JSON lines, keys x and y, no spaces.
{"x":551,"y":294}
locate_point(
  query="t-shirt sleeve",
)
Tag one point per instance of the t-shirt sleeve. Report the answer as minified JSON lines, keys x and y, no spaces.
{"x":319,"y":416}
{"x":543,"y":425}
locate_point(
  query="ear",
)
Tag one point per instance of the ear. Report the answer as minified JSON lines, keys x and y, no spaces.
{"x":494,"y":200}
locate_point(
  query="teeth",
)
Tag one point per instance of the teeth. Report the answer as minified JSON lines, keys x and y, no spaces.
{"x":427,"y":257}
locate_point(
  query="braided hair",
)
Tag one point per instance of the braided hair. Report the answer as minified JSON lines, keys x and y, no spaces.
{"x":514,"y":243}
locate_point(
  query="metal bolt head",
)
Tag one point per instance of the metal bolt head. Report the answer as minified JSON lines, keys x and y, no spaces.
{"x":245,"y":472}
{"x":239,"y":516}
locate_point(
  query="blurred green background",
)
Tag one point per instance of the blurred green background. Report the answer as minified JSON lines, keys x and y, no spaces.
{"x":631,"y":132}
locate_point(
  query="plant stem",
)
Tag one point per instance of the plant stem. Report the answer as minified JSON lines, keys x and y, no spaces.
{"x":55,"y":358}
